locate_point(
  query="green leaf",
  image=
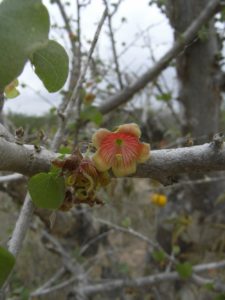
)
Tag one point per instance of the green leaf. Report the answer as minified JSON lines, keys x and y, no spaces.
{"x":64,"y":150}
{"x":47,"y":190}
{"x":7,"y":262}
{"x":184,"y":270}
{"x":24,"y":27}
{"x":12,"y":93}
{"x":164,"y":97}
{"x":158,"y":256}
{"x":126,"y":222}
{"x":176,"y":250}
{"x":51,"y":65}
{"x":55,"y":171}
{"x":91,"y":113}
{"x":11,"y":89}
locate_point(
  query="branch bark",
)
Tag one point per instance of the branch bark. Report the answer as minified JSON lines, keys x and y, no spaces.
{"x":24,"y":159}
{"x":188,"y":36}
{"x":164,"y":165}
{"x":21,"y":227}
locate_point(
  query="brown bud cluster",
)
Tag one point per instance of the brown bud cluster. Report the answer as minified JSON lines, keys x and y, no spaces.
{"x":82,"y":180}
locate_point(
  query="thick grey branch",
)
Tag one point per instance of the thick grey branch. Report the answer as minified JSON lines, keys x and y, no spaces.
{"x":163,"y":165}
{"x":150,"y":75}
{"x":24,"y":159}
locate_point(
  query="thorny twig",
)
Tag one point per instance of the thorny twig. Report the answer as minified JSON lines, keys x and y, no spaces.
{"x":68,"y":107}
{"x":178,"y":47}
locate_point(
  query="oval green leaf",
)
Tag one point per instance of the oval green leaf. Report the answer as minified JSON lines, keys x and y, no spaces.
{"x":7,"y":262}
{"x":51,"y":65}
{"x":11,"y":89}
{"x":24,"y":28}
{"x":47,"y":190}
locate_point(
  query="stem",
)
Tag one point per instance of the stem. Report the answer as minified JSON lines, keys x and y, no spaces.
{"x":22,"y":225}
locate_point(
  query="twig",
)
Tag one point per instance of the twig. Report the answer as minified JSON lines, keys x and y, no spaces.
{"x":18,"y":235}
{"x":138,"y":235}
{"x":68,"y":261}
{"x":84,"y":71}
{"x":54,"y":288}
{"x":180,"y":45}
{"x":67,"y":25}
{"x":68,"y":107}
{"x":48,"y":283}
{"x":11,"y":177}
{"x":113,"y":44}
{"x":152,"y":280}
{"x":92,"y":241}
{"x":22,"y":224}
{"x":78,"y":36}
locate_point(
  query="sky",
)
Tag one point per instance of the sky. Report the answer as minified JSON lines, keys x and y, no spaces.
{"x":36,"y":100}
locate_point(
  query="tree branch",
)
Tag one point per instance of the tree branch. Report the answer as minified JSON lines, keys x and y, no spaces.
{"x":164,"y":165}
{"x":126,"y":95}
{"x":24,"y":159}
{"x":151,"y":280}
{"x":22,"y":224}
{"x":68,"y":106}
{"x":113,"y":43}
{"x":141,"y":281}
{"x":11,"y":177}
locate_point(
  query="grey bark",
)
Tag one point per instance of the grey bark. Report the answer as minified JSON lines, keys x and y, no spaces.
{"x":187,"y":36}
{"x":163,"y":165}
{"x":197,"y":69}
{"x":199,"y":95}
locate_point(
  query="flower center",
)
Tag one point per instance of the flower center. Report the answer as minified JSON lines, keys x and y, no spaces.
{"x":119,"y":142}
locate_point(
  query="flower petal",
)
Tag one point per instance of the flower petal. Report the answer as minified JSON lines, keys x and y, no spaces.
{"x":104,"y":178}
{"x":132,"y":129}
{"x":144,"y":153}
{"x":119,"y":169}
{"x":99,"y":136}
{"x":99,"y":162}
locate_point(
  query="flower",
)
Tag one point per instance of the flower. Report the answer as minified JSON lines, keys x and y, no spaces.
{"x":120,"y":150}
{"x":159,"y":200}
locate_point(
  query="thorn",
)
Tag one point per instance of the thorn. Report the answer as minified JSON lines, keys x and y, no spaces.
{"x":218,"y":140}
{"x":37,"y":148}
{"x":61,"y":115}
{"x":189,"y":142}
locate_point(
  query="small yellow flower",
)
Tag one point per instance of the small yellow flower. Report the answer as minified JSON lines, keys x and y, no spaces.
{"x":159,"y":200}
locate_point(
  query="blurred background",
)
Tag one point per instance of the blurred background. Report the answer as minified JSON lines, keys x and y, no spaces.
{"x":142,"y":226}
